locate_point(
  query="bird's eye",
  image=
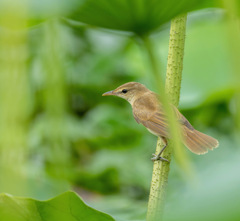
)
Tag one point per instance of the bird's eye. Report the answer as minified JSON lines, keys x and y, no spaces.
{"x":124,"y":91}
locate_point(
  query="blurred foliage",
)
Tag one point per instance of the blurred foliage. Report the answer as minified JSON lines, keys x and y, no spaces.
{"x":56,"y":130}
{"x":37,"y":12}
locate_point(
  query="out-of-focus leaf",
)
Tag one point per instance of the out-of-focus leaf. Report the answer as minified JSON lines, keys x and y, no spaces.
{"x":138,"y":16}
{"x":36,"y":11}
{"x":105,"y":182}
{"x":66,"y":207}
{"x":207,"y":72}
{"x":217,"y":196}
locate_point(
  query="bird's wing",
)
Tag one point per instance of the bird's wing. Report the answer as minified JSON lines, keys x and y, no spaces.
{"x":148,"y":112}
{"x":157,"y":124}
{"x":152,"y":116}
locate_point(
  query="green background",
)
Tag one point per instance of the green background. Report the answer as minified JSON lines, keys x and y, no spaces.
{"x":57,"y":133}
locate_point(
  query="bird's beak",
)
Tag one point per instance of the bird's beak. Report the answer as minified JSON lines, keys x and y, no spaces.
{"x":108,"y":93}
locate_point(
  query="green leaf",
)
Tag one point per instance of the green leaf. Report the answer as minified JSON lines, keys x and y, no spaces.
{"x":68,"y":206}
{"x":138,"y":16}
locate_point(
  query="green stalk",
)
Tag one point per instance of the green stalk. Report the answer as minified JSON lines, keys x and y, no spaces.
{"x":172,"y":88}
{"x":54,"y":101}
{"x":14,"y":98}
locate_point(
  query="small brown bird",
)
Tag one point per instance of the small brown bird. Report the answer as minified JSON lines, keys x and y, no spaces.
{"x":148,"y":110}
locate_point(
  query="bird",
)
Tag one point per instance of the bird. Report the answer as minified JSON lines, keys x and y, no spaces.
{"x":147,"y":110}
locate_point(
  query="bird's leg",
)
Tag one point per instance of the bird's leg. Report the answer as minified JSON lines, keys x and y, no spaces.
{"x":158,"y":156}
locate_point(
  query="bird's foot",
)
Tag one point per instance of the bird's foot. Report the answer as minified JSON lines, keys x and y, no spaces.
{"x":158,"y":157}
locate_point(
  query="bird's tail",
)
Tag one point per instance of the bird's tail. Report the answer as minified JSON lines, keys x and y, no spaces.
{"x":198,"y":142}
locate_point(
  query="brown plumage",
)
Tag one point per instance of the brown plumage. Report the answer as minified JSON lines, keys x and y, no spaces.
{"x":148,"y":111}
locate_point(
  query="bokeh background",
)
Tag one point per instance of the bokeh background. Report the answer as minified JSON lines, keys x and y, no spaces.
{"x":58,"y":133}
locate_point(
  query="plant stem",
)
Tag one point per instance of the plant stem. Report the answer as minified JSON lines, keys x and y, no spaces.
{"x":175,"y":58}
{"x":158,"y":80}
{"x":15,"y":99}
{"x":172,"y":89}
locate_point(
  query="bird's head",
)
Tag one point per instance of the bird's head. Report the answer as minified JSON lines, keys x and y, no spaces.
{"x":129,"y":91}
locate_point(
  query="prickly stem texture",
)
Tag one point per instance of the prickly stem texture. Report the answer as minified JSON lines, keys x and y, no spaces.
{"x":175,"y":59}
{"x":172,"y":86}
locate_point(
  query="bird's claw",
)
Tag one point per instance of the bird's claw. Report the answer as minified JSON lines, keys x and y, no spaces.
{"x":157,"y":157}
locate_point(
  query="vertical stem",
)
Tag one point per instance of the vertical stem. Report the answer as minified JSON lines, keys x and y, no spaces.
{"x":172,"y":88}
{"x":154,"y":65}
{"x":14,"y":98}
{"x":54,"y":98}
{"x":175,"y":58}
